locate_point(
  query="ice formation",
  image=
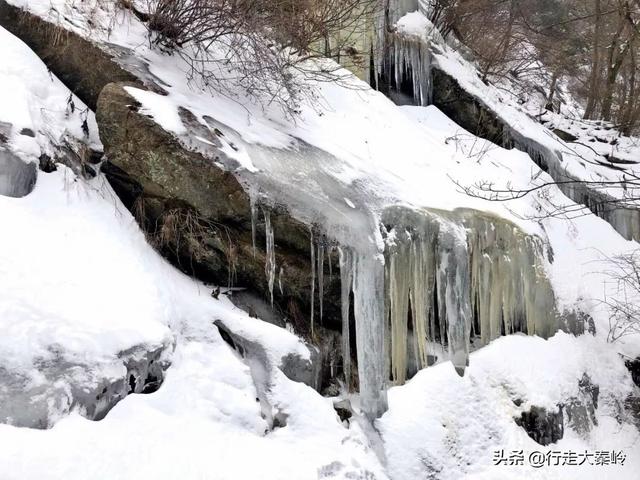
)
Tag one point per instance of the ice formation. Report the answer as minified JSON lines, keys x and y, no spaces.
{"x":320,"y":277}
{"x":346,"y":280}
{"x":270,"y":260}
{"x":405,"y":57}
{"x":415,"y":296}
{"x":460,"y":276}
{"x":368,"y":298}
{"x":313,"y":279}
{"x":254,"y":219}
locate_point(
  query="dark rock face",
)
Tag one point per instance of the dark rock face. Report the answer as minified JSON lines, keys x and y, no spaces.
{"x":566,"y":136}
{"x":344,"y":409}
{"x":632,"y":408}
{"x":464,"y":109}
{"x":70,"y":386}
{"x":542,"y":426}
{"x":634,"y":368}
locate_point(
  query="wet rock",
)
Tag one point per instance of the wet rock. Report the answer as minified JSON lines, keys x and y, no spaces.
{"x":542,"y":426}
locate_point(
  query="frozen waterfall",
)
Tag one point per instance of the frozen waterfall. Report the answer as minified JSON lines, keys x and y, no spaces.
{"x":453,"y":278}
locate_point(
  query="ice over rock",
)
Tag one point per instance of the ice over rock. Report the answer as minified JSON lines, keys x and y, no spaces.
{"x":424,"y":282}
{"x":417,"y":276}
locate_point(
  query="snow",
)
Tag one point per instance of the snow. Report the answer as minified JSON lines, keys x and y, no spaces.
{"x":161,"y":108}
{"x":443,"y":426}
{"x":203,"y":423}
{"x":35,"y":100}
{"x":77,"y":277}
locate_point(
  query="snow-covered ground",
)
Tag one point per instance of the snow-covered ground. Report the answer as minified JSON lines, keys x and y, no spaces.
{"x":79,"y":281}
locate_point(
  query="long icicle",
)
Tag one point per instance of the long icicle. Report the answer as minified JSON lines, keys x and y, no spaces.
{"x":270,"y":259}
{"x":254,"y":218}
{"x":321,"y":277}
{"x":368,"y":293}
{"x":313,"y":279}
{"x":346,"y":280}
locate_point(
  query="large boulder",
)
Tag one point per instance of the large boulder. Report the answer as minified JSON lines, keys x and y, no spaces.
{"x":199,"y":215}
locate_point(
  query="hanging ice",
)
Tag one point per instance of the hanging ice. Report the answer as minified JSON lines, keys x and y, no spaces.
{"x":270,"y":260}
{"x":321,"y":277}
{"x":346,"y":281}
{"x":368,"y":295}
{"x":254,"y":218}
{"x":454,"y":274}
{"x":313,"y":280}
{"x":454,"y":294}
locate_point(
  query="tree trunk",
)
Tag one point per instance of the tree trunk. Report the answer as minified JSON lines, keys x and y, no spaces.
{"x":595,"y":63}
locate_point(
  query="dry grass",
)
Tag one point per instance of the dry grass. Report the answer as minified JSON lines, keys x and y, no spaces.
{"x":181,"y":230}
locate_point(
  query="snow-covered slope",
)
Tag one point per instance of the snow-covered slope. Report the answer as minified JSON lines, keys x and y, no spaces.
{"x":80,"y":285}
{"x":39,"y":115}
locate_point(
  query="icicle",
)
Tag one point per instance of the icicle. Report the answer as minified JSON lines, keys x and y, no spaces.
{"x":321,"y":277}
{"x":422,"y":278}
{"x":254,"y":218}
{"x":398,"y":286}
{"x":454,"y":299}
{"x":280,"y":280}
{"x":313,"y":278}
{"x":270,"y":260}
{"x":509,"y":290}
{"x":368,"y":293}
{"x":346,"y":280}
{"x":404,"y":54}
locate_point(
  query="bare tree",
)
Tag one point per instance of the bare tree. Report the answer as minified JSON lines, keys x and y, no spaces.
{"x":267,"y":46}
{"x":623,"y":273}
